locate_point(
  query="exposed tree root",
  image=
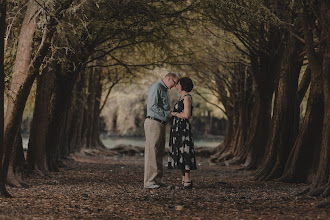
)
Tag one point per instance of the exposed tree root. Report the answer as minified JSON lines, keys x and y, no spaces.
{"x":40,"y":172}
{"x":287,"y":178}
{"x":235,"y":161}
{"x":223,"y":157}
{"x":220,"y":158}
{"x":323,"y":204}
{"x":15,"y":180}
{"x":248,"y":161}
{"x":275,"y":173}
{"x":22,"y":182}
{"x":60,"y":164}
{"x":4,"y":193}
{"x":264,"y":170}
{"x":317,"y":191}
{"x":326,"y":192}
{"x":304,"y":192}
{"x":52,"y":166}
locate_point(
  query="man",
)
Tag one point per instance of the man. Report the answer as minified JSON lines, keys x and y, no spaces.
{"x":158,"y":114}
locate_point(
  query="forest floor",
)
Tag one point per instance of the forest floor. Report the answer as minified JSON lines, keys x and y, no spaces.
{"x":106,"y":186}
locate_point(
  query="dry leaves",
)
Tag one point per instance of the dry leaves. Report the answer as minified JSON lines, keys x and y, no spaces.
{"x":110,"y":186}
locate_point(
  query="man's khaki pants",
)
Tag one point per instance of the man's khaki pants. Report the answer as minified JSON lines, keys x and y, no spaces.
{"x":154,"y":151}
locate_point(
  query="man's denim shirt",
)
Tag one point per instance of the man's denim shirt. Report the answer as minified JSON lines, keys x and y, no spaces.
{"x":158,"y":102}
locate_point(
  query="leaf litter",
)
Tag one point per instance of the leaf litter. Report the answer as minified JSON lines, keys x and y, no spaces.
{"x":110,"y":186}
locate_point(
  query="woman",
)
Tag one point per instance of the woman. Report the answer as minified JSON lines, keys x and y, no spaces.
{"x":182,"y":154}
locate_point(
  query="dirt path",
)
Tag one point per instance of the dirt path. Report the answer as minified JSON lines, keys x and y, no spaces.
{"x":95,"y":187}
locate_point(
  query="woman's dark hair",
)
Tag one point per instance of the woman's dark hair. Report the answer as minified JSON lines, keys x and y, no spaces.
{"x":186,"y":84}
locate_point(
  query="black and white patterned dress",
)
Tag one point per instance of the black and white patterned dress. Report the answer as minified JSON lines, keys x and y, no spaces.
{"x":182,"y":153}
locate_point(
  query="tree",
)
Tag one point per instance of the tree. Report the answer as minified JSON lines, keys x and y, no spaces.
{"x":263,"y":42}
{"x":21,"y":83}
{"x":311,"y":150}
{"x":302,"y":159}
{"x":116,"y":29}
{"x":321,"y":183}
{"x":223,"y":70}
{"x":285,"y":118}
{"x":3,"y":6}
{"x":24,"y":72}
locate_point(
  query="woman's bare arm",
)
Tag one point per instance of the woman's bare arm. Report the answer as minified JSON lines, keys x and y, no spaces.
{"x":187,"y":108}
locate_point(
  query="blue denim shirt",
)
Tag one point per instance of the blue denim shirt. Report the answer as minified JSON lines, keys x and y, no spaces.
{"x":158,"y":102}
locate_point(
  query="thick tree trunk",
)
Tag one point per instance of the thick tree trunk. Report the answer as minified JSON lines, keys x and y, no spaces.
{"x":304,"y":157}
{"x":20,"y":164}
{"x":265,"y":79}
{"x":285,"y":123}
{"x":3,"y":173}
{"x":244,"y":113}
{"x":60,"y":104}
{"x":76,"y":115}
{"x":258,"y":130}
{"x":321,"y":183}
{"x":21,"y":83}
{"x":235,"y":123}
{"x":36,"y":155}
{"x":307,"y":144}
{"x":15,"y":168}
{"x":90,"y":128}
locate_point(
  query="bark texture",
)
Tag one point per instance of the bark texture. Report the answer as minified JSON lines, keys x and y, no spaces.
{"x":303,"y":160}
{"x":321,"y":182}
{"x":36,"y":155}
{"x":59,"y":107}
{"x":21,"y":83}
{"x":3,"y":173}
{"x":265,"y":70}
{"x":285,"y":117}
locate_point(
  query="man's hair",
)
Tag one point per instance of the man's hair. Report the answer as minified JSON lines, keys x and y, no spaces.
{"x":186,"y":84}
{"x":173,"y":75}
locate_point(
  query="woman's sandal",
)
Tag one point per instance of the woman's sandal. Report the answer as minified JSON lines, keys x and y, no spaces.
{"x":188,"y":186}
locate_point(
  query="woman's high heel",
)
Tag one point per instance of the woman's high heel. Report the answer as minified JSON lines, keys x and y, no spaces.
{"x":188,"y":186}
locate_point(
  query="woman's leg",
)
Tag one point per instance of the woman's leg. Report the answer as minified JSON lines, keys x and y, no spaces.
{"x":187,"y":179}
{"x":183,"y":177}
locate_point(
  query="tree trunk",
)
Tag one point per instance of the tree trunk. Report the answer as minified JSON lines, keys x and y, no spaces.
{"x":3,"y":173}
{"x":36,"y":155}
{"x":90,"y":128}
{"x":21,"y":83}
{"x":265,"y":74}
{"x":17,"y":165}
{"x":285,"y":123}
{"x":74,"y":128}
{"x":97,"y":143}
{"x":307,"y":144}
{"x":60,"y":103}
{"x":90,"y":109}
{"x":244,"y":111}
{"x":224,"y":149}
{"x":321,"y":182}
{"x":303,"y":159}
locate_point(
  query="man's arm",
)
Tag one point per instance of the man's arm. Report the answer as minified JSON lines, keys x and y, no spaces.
{"x":153,"y":103}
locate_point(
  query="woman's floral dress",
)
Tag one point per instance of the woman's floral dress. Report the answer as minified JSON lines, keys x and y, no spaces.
{"x":182,"y":153}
